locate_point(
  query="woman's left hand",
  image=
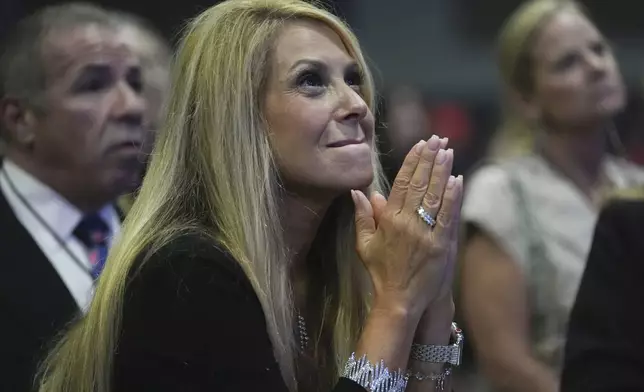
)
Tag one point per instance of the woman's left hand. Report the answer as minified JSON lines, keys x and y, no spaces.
{"x":436,"y":322}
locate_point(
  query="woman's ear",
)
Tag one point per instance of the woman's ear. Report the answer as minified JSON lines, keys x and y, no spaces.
{"x":18,"y":122}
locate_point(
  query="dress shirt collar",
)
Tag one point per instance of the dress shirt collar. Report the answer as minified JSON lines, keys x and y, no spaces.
{"x":61,"y":216}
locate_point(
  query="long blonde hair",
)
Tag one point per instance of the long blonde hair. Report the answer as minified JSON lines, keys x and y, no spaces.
{"x":516,"y":67}
{"x":213,"y":170}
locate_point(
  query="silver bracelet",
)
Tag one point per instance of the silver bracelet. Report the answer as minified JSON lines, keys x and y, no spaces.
{"x":441,"y":354}
{"x":374,"y":378}
{"x":439,"y":378}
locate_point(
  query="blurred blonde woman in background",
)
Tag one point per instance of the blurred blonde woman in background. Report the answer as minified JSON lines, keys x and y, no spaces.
{"x":530,"y":213}
{"x":252,"y":259}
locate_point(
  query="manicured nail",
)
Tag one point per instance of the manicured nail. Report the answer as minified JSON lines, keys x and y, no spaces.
{"x":434,"y":143}
{"x":451,"y":182}
{"x":441,"y":157}
{"x":419,"y":146}
{"x":450,"y":153}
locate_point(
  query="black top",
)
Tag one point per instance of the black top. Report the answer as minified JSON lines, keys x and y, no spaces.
{"x":605,"y":348}
{"x":192,"y":322}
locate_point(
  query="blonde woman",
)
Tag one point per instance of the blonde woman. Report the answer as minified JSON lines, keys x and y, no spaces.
{"x":530,"y":216}
{"x":237,"y":268}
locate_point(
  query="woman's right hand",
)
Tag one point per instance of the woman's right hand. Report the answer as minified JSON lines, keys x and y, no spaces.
{"x":406,"y":258}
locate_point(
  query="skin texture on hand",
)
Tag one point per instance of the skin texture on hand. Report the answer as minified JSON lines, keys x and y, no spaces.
{"x":411,"y":263}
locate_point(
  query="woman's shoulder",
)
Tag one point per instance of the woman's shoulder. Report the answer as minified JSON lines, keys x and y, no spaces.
{"x":186,"y":258}
{"x":491,"y":202}
{"x":194,"y":245}
{"x":192,"y":321}
{"x":493,"y":178}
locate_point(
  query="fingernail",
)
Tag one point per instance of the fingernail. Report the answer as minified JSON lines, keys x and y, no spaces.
{"x":420,"y":145}
{"x":353,"y":196}
{"x":433,"y":143}
{"x":445,"y":140}
{"x":460,"y":179}
{"x":450,"y":153}
{"x":451,"y":182}
{"x":441,"y":156}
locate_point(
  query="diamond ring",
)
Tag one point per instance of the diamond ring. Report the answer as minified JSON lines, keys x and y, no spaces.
{"x":431,"y":222}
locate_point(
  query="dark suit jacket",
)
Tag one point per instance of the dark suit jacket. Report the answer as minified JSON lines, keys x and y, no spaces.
{"x":34,"y":303}
{"x":192,"y":322}
{"x":605,"y":349}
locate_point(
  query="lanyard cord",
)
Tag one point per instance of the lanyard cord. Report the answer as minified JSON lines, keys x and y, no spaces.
{"x":44,"y":224}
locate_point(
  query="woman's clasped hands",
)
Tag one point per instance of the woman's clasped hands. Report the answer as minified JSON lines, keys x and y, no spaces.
{"x":408,"y":242}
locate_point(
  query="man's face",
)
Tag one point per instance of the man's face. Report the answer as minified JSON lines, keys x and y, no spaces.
{"x":92,"y":127}
{"x":156,"y":76}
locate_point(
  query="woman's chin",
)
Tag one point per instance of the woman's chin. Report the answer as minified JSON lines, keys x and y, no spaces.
{"x":611,"y":105}
{"x":356,"y":180}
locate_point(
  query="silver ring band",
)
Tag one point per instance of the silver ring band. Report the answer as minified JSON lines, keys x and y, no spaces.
{"x":431,"y":222}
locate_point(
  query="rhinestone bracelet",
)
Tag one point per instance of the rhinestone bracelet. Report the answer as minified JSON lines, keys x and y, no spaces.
{"x":439,"y":378}
{"x":374,"y":378}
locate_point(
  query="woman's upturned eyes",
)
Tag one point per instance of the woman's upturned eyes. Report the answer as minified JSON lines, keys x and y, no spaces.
{"x":566,"y":61}
{"x":354,"y":79}
{"x":309,"y":79}
{"x":314,"y":82}
{"x":599,"y":49}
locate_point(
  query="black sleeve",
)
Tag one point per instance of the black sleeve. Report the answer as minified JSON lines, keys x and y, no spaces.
{"x":605,"y":347}
{"x":192,"y":322}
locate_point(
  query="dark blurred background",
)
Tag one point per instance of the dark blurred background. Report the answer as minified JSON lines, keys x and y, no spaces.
{"x":442,"y":48}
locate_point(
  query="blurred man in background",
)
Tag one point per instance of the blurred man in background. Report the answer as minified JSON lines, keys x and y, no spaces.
{"x":73,"y":120}
{"x":155,"y":55}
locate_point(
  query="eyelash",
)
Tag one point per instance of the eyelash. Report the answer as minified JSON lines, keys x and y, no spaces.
{"x":309,"y":79}
{"x":313,"y":80}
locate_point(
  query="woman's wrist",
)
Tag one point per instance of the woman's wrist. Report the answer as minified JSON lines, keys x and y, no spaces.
{"x":435,"y":325}
{"x":434,"y":329}
{"x":398,"y":310}
{"x":387,"y":336}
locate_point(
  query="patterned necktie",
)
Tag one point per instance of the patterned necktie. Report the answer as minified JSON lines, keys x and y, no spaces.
{"x":93,"y":232}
